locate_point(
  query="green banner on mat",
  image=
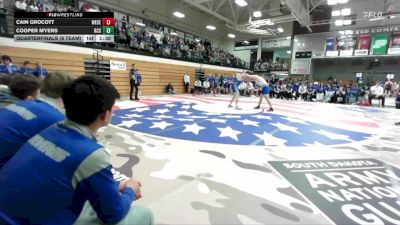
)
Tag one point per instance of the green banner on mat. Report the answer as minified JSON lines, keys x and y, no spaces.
{"x":379,"y":44}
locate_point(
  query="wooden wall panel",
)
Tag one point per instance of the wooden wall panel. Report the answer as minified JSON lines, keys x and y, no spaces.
{"x":155,"y":75}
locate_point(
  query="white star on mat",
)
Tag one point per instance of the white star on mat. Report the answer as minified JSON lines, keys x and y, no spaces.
{"x":150,"y":118}
{"x":217,"y":120}
{"x":295,"y":120}
{"x":183,"y":113}
{"x":315,"y":144}
{"x":183,"y":119}
{"x":130,"y":116}
{"x":128,"y":123}
{"x":262,"y":117}
{"x":170,"y":105}
{"x":161,"y":111}
{"x":162,"y":125}
{"x":249,"y":122}
{"x":229,"y":132}
{"x":141,"y":109}
{"x":333,"y":136}
{"x":232,"y":117}
{"x":185,"y":107}
{"x":197,"y":117}
{"x":194,"y":128}
{"x":284,"y":127}
{"x":270,"y":140}
{"x":164,"y":117}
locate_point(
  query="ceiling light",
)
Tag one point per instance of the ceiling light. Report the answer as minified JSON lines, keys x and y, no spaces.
{"x":343,"y":1}
{"x":339,"y":22}
{"x":178,"y":14}
{"x":336,"y":13}
{"x":288,"y":37}
{"x":257,"y":14}
{"x":241,"y":3}
{"x":346,"y":12}
{"x":231,"y":35}
{"x":140,"y":24}
{"x":197,"y":40}
{"x":288,"y":52}
{"x":211,"y":27}
{"x":346,"y":22}
{"x":280,"y":29}
{"x":246,"y":42}
{"x":173,"y":33}
{"x":332,"y":2}
{"x":342,"y":32}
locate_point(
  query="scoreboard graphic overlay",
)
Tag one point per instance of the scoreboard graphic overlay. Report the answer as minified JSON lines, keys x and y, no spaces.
{"x":64,"y":27}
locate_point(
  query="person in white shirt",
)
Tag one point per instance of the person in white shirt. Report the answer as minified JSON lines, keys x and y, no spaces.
{"x":377,"y":93}
{"x":206,"y":86}
{"x":250,"y":89}
{"x":303,"y":91}
{"x":197,"y":87}
{"x":186,"y":82}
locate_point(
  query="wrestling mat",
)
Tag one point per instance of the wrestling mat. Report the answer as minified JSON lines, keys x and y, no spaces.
{"x":201,"y":162}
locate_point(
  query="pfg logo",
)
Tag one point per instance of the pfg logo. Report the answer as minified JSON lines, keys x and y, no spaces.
{"x":373,"y":14}
{"x":379,"y":43}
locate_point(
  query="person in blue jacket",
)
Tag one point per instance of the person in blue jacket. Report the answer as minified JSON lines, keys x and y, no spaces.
{"x":7,"y":67}
{"x":24,"y":119}
{"x":40,"y":71}
{"x":21,"y":87}
{"x":63,"y":176}
{"x":235,"y":89}
{"x":26,"y":68}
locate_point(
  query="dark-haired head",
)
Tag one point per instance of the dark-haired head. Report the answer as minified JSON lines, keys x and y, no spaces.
{"x":25,"y":86}
{"x":90,"y":99}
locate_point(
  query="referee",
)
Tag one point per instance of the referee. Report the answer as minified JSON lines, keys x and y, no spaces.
{"x":134,"y":79}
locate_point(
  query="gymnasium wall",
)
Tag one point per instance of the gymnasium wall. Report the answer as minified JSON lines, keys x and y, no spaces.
{"x":156,"y":72}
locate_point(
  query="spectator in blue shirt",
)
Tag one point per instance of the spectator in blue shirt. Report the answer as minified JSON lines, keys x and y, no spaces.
{"x":23,"y":120}
{"x":26,"y":68}
{"x":63,"y":176}
{"x":7,"y":67}
{"x":40,"y":72}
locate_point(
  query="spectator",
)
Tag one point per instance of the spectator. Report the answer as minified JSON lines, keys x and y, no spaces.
{"x":397,"y":101}
{"x":339,"y":96}
{"x":186,"y":82}
{"x":4,"y":81}
{"x":20,"y":5}
{"x":376,"y":93}
{"x":7,"y":67}
{"x":68,"y":172}
{"x":206,"y":86}
{"x":22,"y":87}
{"x":3,"y":19}
{"x":15,"y":129}
{"x":31,"y":7}
{"x":40,"y":72}
{"x":26,"y":68}
{"x":388,"y":87}
{"x":310,"y":93}
{"x":170,"y":89}
{"x":198,"y":88}
{"x":303,"y":91}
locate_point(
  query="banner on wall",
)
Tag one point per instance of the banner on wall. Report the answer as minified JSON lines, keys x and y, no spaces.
{"x":394,"y":46}
{"x":330,"y":44}
{"x":379,"y":44}
{"x":363,"y":46}
{"x":282,"y":42}
{"x":117,"y":65}
{"x":348,"y":191}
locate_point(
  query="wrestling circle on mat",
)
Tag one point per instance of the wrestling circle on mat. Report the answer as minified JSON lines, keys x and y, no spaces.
{"x":207,"y":119}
